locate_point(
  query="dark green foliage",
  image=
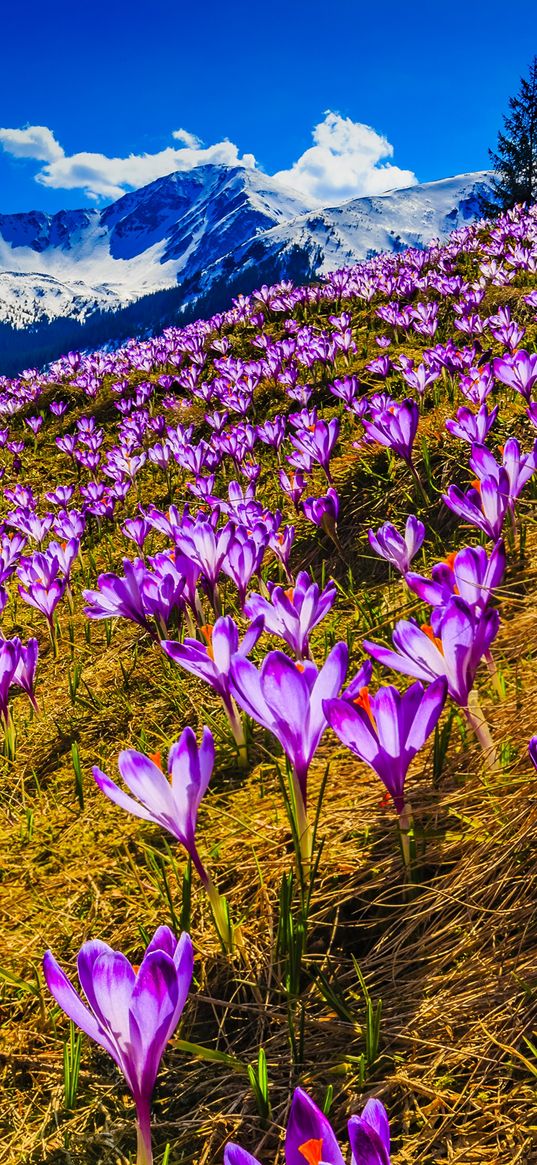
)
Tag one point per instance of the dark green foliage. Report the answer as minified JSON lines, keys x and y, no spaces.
{"x":515,"y":158}
{"x":37,"y":345}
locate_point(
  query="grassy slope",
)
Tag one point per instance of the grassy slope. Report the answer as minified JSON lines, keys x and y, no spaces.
{"x":454,"y":964}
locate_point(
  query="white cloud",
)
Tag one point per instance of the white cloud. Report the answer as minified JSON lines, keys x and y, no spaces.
{"x":344,"y":163}
{"x":102,"y":177}
{"x":187,"y":138}
{"x":347,"y":160}
{"x":35,"y":141}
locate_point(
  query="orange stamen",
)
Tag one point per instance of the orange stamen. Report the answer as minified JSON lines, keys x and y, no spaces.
{"x":476,"y":484}
{"x":312,"y":1151}
{"x":299,"y":667}
{"x":428,"y":631}
{"x":363,"y":700}
{"x":207,"y":632}
{"x":156,"y":757}
{"x":290,"y":594}
{"x":450,"y":559}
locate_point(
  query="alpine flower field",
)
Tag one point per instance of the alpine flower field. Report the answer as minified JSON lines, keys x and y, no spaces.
{"x":268,"y":713}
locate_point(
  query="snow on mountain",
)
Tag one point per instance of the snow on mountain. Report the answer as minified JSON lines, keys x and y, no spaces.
{"x":196,"y":228}
{"x":342,"y":235}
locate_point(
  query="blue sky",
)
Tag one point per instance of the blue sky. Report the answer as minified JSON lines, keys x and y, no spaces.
{"x":114,"y":79}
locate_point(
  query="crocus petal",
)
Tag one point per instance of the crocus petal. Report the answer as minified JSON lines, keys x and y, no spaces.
{"x":152,"y":1009}
{"x":234,"y":1155}
{"x":189,"y":779}
{"x":115,"y":794}
{"x":252,"y":634}
{"x":112,"y":982}
{"x":146,"y":782}
{"x":70,"y":1002}
{"x":427,"y":713}
{"x":287,"y":697}
{"x":307,"y":1123}
{"x":327,"y":685}
{"x":367,"y":1139}
{"x":194,"y":658}
{"x":387,"y":704}
{"x":163,"y":940}
{"x":374,"y":1114}
{"x":532,"y":749}
{"x":246,"y":687}
{"x":354,"y":728}
{"x":224,"y":643}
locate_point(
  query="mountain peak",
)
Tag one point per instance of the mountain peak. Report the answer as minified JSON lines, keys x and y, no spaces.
{"x":195,"y":229}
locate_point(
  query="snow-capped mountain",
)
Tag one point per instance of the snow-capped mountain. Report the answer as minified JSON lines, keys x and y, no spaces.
{"x":149,"y":239}
{"x":342,"y":235}
{"x":201,"y":231}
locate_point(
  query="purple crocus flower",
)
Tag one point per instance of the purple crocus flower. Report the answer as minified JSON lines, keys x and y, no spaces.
{"x":211,"y":661}
{"x":318,"y":441}
{"x":484,"y":506}
{"x":346,"y":389}
{"x":45,"y":596}
{"x":243,"y":560}
{"x":273,"y":432}
{"x":287,"y":698}
{"x":310,"y":1138}
{"x":397,"y":549}
{"x":518,"y":370}
{"x":61,"y":496}
{"x":470,"y":573}
{"x":293,"y":613}
{"x":119,"y":596}
{"x":518,"y":466}
{"x":323,"y":511}
{"x":30,"y":524}
{"x":69,"y":524}
{"x":34,"y":423}
{"x":381,"y":366}
{"x":130,"y":1013}
{"x":136,"y":529}
{"x":162,"y":591}
{"x":24,"y":676}
{"x":420,"y":378}
{"x":65,"y":554}
{"x":472,"y":427}
{"x":207,"y":548}
{"x":478,"y":384}
{"x":388,"y":729}
{"x":281,"y":543}
{"x":453,"y":650}
{"x":173,"y":803}
{"x":9,"y":661}
{"x":395,"y":427}
{"x":293,"y":485}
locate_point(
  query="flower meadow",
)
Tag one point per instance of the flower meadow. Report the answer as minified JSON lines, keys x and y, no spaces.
{"x":269,"y":727}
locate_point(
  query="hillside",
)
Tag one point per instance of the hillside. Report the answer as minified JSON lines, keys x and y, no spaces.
{"x":66,"y":279}
{"x":382,"y":937}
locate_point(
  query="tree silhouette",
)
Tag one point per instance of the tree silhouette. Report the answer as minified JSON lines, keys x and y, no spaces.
{"x":515,"y":159}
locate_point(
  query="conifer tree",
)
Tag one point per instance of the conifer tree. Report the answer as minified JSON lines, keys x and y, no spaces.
{"x":515,"y":159}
